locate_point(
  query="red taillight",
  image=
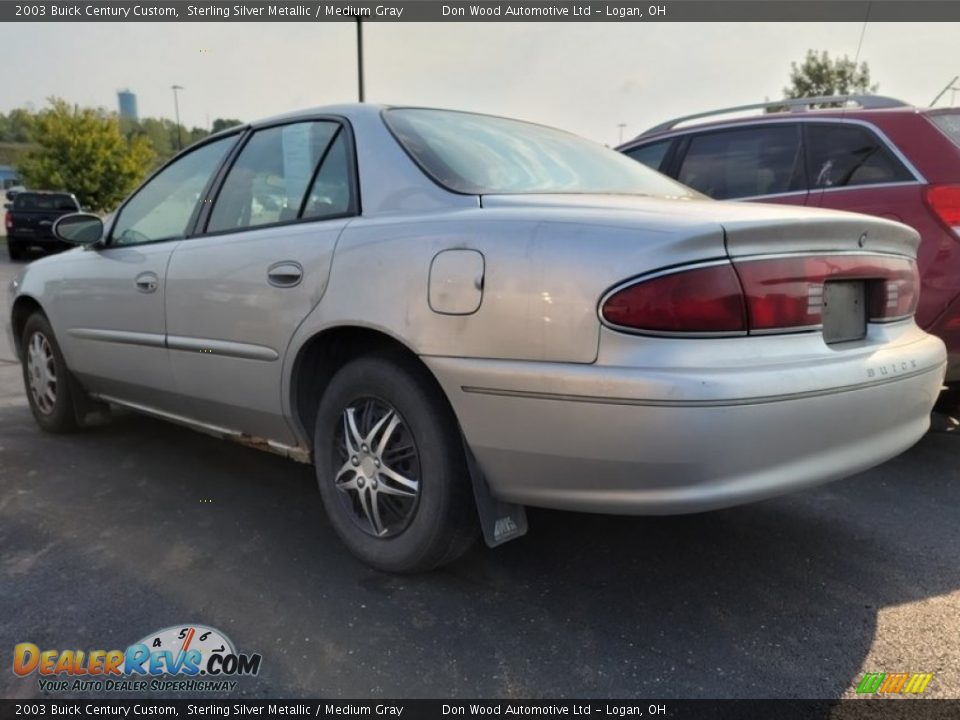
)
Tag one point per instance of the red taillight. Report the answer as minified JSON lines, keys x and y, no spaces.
{"x":8,"y":221}
{"x":702,"y":300}
{"x":944,"y":200}
{"x":788,"y":292}
{"x":764,"y":295}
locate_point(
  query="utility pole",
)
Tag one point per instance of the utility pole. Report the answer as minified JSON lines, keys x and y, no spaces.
{"x":176,"y":110}
{"x":360,"y":57}
{"x":621,"y":126}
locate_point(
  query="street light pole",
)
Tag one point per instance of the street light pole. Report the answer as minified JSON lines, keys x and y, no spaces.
{"x":176,"y":110}
{"x":621,"y":126}
{"x":360,"y":57}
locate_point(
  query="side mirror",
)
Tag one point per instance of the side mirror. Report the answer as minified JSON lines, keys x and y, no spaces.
{"x":79,"y":229}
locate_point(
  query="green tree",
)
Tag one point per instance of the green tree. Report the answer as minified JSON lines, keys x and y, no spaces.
{"x":84,"y":151}
{"x":224,"y":123}
{"x":194,"y":135}
{"x":15,"y":127}
{"x":819,"y":75}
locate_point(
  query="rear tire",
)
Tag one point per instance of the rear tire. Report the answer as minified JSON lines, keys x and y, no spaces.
{"x":391,"y":468}
{"x":14,"y":250}
{"x":49,"y":385}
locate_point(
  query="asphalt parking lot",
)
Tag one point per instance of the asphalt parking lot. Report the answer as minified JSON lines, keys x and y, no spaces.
{"x":137,"y":525}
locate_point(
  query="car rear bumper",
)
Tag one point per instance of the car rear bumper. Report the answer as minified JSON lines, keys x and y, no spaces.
{"x":608,"y":439}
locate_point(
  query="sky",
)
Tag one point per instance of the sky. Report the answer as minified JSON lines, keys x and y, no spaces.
{"x":583,"y":77}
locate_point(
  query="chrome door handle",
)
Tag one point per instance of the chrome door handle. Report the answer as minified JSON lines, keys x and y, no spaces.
{"x":285,"y":274}
{"x":147,"y":282}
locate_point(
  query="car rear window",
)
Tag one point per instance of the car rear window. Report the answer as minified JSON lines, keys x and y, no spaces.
{"x":949,"y":124}
{"x":33,"y":201}
{"x":481,"y":154}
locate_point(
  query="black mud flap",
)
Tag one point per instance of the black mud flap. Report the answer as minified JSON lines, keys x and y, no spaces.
{"x":501,"y":521}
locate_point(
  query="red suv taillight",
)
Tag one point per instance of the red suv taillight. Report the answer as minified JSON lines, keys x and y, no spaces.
{"x":944,"y":200}
{"x":8,"y":221}
{"x":760,"y":296}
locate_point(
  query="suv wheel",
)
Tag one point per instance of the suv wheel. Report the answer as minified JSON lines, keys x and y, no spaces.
{"x":46,"y":377}
{"x":391,"y":467}
{"x":14,"y":250}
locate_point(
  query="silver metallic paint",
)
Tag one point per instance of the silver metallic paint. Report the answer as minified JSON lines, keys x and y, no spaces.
{"x":558,"y":410}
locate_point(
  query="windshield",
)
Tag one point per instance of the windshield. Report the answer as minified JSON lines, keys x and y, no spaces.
{"x":480,"y":154}
{"x":31,"y":201}
{"x":949,"y":124}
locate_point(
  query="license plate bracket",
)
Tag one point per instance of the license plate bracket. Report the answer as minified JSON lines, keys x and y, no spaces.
{"x":844,"y":311}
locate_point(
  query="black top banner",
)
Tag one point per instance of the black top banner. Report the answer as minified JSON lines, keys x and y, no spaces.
{"x":489,"y":709}
{"x":481,"y":11}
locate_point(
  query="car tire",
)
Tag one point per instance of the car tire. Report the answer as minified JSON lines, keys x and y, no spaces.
{"x":407,"y":435}
{"x":14,"y":250}
{"x":49,"y":385}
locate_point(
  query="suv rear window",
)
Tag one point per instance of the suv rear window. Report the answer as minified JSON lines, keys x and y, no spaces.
{"x":849,"y":155}
{"x":34,"y":201}
{"x":949,"y":124}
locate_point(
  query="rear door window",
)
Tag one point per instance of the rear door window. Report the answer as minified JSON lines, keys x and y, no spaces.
{"x":849,"y":156}
{"x":651,"y":155}
{"x":267,"y":183}
{"x":744,"y":162}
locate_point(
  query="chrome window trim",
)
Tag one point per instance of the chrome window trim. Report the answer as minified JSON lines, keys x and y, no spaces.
{"x":799,"y":193}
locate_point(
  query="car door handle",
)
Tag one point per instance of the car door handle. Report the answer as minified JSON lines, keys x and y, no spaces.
{"x":147,"y":282}
{"x":285,"y":274}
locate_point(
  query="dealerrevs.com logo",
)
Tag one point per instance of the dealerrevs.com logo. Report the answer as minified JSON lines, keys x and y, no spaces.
{"x":182,"y":658}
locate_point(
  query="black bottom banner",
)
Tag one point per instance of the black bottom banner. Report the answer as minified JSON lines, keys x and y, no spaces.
{"x":450,"y":709}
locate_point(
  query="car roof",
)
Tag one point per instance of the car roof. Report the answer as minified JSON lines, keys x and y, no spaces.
{"x":787,"y":115}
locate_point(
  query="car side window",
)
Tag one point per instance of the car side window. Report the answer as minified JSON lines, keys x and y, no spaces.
{"x":330,"y":193}
{"x":270,"y":177}
{"x":163,"y":207}
{"x":651,"y":155}
{"x":744,"y":162}
{"x":850,"y":155}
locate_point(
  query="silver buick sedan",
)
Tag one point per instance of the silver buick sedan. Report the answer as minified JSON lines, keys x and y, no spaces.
{"x":454,"y":316}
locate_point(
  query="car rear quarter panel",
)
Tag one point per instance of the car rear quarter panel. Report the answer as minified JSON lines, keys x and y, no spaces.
{"x":545,"y":272}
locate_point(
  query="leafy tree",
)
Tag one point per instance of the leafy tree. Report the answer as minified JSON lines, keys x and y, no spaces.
{"x":15,"y":127}
{"x":224,"y":123}
{"x":820,"y":75}
{"x":195,"y":135}
{"x":83,"y":150}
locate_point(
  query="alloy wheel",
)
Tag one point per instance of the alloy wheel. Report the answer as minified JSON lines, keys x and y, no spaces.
{"x":379,"y":472}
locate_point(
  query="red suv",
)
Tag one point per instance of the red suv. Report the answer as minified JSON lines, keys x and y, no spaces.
{"x":880,"y":157}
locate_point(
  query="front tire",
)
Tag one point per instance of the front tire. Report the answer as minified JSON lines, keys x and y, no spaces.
{"x":46,"y":378}
{"x":391,"y":466}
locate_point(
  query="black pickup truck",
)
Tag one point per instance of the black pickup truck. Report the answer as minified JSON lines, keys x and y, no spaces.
{"x":30,"y":217}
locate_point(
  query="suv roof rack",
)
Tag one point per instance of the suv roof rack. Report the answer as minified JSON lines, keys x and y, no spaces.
{"x":867,"y":102}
